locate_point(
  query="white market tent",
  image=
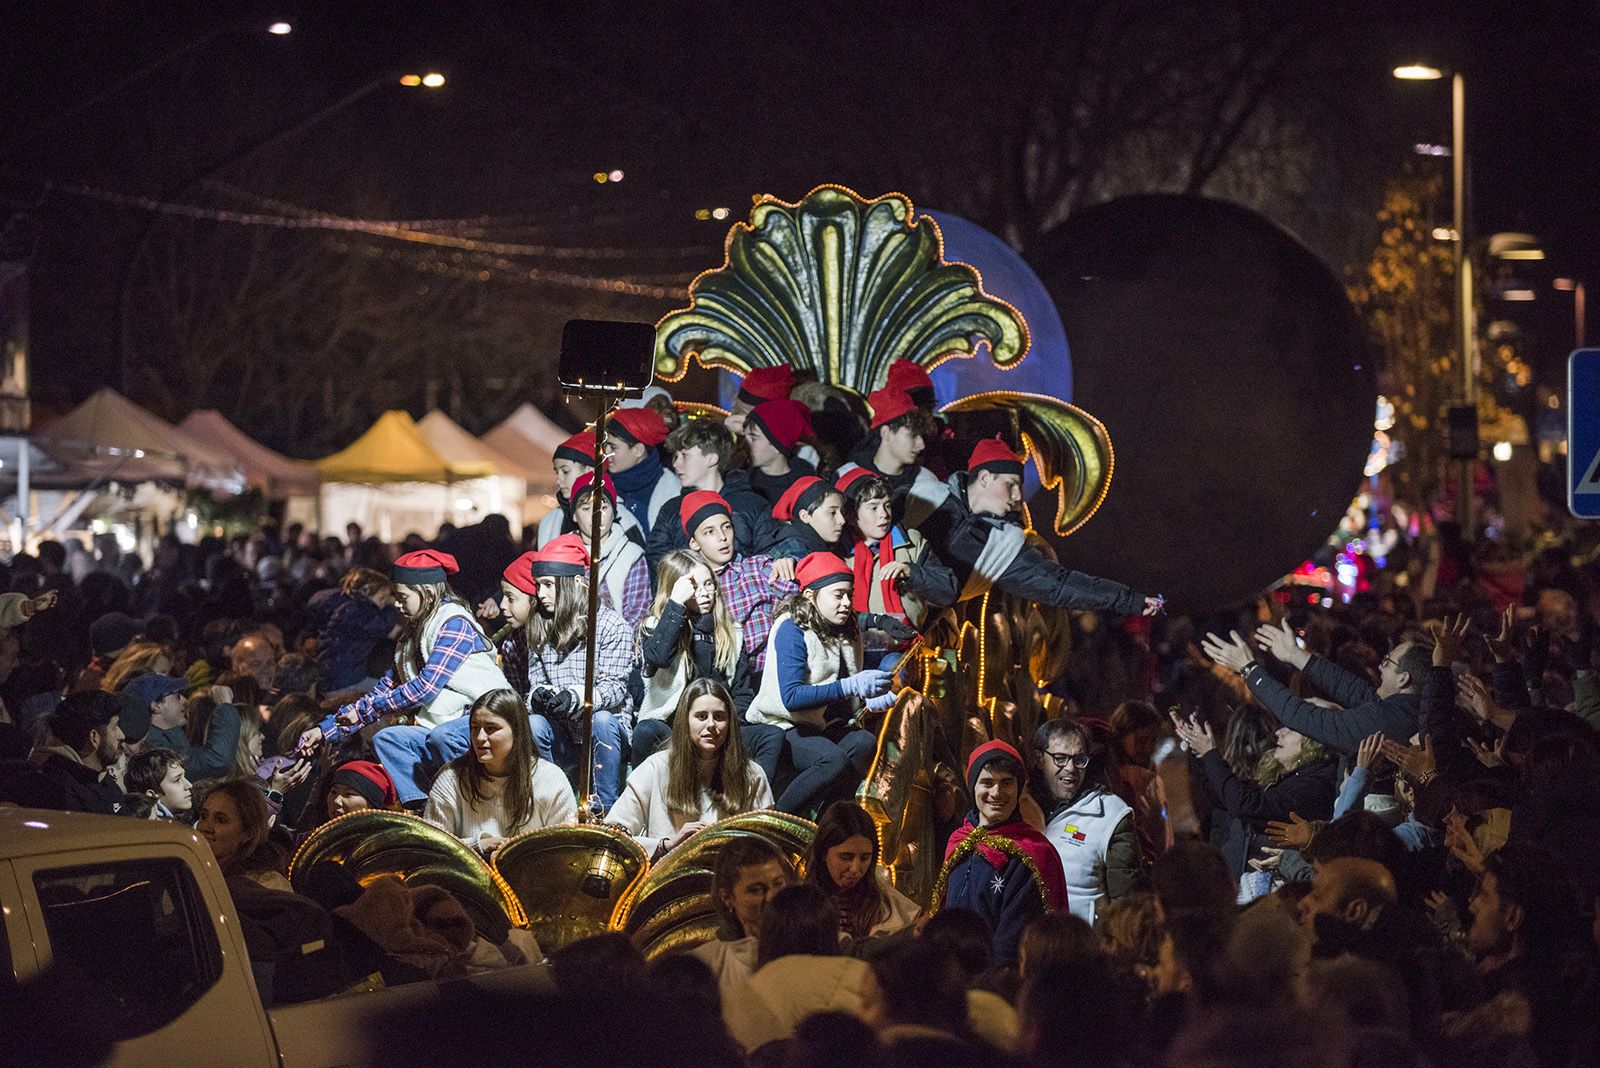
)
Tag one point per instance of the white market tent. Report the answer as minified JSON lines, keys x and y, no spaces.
{"x":108,"y":437}
{"x":528,"y":436}
{"x":452,"y":441}
{"x":274,"y":474}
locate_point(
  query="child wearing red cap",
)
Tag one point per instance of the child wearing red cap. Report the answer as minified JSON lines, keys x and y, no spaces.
{"x":900,"y":432}
{"x":812,"y":689}
{"x":572,"y":458}
{"x":897,"y":577}
{"x":748,"y":585}
{"x":624,"y":575}
{"x":633,"y":440}
{"x":443,"y":663}
{"x":704,"y":452}
{"x":996,"y":864}
{"x":812,"y":514}
{"x":772,"y":434}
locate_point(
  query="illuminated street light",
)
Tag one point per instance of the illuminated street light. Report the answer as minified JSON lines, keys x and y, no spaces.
{"x":719,"y":213}
{"x":600,"y":177}
{"x":1443,"y":233}
{"x":1418,"y":72}
{"x":615,"y":176}
{"x":1502,"y":451}
{"x":280,"y":29}
{"x":433,"y":79}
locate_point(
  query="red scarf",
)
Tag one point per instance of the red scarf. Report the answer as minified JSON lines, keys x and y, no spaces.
{"x":1038,"y":848}
{"x":863,"y":567}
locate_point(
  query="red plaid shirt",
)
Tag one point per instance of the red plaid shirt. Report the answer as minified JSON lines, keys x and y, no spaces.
{"x":752,"y":595}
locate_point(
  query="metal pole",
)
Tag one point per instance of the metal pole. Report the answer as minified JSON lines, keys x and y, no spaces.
{"x":24,"y":489}
{"x":586,"y":783}
{"x":1469,"y":362}
{"x":1577,"y":314}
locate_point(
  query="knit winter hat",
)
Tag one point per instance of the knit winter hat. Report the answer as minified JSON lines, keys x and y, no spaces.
{"x":367,"y":779}
{"x":910,"y":377}
{"x":561,"y":556}
{"x":822,"y":569}
{"x":763,"y":384}
{"x":889,"y":404}
{"x":520,"y":574}
{"x":579,"y":448}
{"x":803,"y":494}
{"x":695,"y":508}
{"x":783,"y":421}
{"x":995,"y":752}
{"x":424,"y":567}
{"x":585,"y":480}
{"x":853,"y":481}
{"x":112,"y":633}
{"x":993,"y":454}
{"x":641,"y":426}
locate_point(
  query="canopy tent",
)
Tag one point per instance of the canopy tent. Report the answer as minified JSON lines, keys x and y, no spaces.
{"x":273,"y":473}
{"x":520,"y":493}
{"x":393,"y":449}
{"x":528,"y":437}
{"x":110,"y":437}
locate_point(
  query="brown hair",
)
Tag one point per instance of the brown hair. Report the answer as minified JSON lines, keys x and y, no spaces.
{"x":517,"y":798}
{"x":434,"y":596}
{"x":733,"y":785}
{"x":745,"y":851}
{"x":256,"y":854}
{"x":365,"y":582}
{"x":863,"y":905}
{"x":565,"y":630}
{"x":707,"y":435}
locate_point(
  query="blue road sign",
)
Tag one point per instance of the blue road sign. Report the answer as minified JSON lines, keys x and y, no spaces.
{"x":1583,"y":433}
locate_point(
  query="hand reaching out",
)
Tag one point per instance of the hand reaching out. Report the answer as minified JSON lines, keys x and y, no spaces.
{"x":1367,"y":752}
{"x":1194,"y":733}
{"x":1448,"y":640}
{"x":1281,"y":643}
{"x":1500,"y":644}
{"x":1417,"y":763}
{"x":1231,"y":652}
{"x":1294,"y":833}
{"x":1473,"y":695}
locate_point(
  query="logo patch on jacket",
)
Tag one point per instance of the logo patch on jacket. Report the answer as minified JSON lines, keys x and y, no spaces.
{"x":1074,"y":835}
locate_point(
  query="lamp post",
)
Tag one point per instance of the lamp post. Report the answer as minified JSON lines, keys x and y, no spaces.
{"x":1463,"y":266}
{"x":429,"y":80}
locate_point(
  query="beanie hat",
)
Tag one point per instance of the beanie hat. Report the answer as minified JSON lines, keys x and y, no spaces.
{"x":367,"y":779}
{"x":995,"y":752}
{"x":783,"y":421}
{"x":803,"y":494}
{"x":112,"y":632}
{"x":198,"y":676}
{"x":993,"y":454}
{"x":585,"y":480}
{"x":424,"y":567}
{"x":133,"y":716}
{"x":763,"y":384}
{"x":853,"y":481}
{"x":560,"y":557}
{"x":822,"y":569}
{"x":910,"y":377}
{"x":640,"y":426}
{"x":889,"y":404}
{"x":579,"y":448}
{"x":520,"y":574}
{"x":695,"y":508}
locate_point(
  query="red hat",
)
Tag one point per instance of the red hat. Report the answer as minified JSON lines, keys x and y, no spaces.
{"x":849,"y":481}
{"x":888,"y":404}
{"x":822,"y":569}
{"x":783,"y":421}
{"x":908,"y":376}
{"x":367,"y":779}
{"x":579,"y":448}
{"x":695,"y":508}
{"x":766,"y":383}
{"x":992,"y":752}
{"x":585,"y":480}
{"x":561,"y":556}
{"x":424,"y":568}
{"x":642,"y":425}
{"x":805,"y":492}
{"x":993,"y":454}
{"x":520,"y":573}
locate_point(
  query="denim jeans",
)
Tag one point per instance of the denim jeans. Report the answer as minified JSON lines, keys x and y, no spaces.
{"x":414,"y":755}
{"x":648,"y":736}
{"x":610,"y":753}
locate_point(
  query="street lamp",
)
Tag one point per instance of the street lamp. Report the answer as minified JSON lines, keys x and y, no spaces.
{"x":1463,"y":265}
{"x":1575,"y":287}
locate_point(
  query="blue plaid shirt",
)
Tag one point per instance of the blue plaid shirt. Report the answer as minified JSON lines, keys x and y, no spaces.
{"x":457,"y":640}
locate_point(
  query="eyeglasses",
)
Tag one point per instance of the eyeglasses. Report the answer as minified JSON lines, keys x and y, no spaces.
{"x":1077,"y":760}
{"x":1388,"y":661}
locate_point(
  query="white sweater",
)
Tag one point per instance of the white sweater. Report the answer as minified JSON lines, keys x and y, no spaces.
{"x":643,"y":810}
{"x":449,"y":808}
{"x":733,"y":963}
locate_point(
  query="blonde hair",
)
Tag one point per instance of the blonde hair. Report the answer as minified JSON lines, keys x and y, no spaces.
{"x":136,"y":659}
{"x":729,"y":642}
{"x":434,"y":596}
{"x":249,"y":730}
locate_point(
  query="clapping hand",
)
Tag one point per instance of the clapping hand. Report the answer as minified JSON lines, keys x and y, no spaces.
{"x":1459,"y":841}
{"x":1293,"y":833}
{"x":1231,"y":652}
{"x":1194,"y":733}
{"x":1154,"y":606}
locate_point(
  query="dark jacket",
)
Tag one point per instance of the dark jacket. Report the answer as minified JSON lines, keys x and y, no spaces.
{"x":658,"y":650}
{"x":1241,"y":809}
{"x":796,"y":541}
{"x":348,"y":628}
{"x":86,"y":789}
{"x":771,"y":487}
{"x":1008,"y":897}
{"x":753,"y":526}
{"x":1362,"y":711}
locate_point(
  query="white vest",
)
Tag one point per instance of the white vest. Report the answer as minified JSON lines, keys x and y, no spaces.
{"x":1081,"y":834}
{"x":663,"y":690}
{"x":618,"y":553}
{"x":476,"y":676}
{"x":822,"y":667}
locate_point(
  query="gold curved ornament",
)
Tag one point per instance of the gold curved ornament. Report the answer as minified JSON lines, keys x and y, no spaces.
{"x":371,"y":844}
{"x":569,"y":879}
{"x":1070,"y":447}
{"x":898,"y":794}
{"x":840,"y":286}
{"x":670,"y":909}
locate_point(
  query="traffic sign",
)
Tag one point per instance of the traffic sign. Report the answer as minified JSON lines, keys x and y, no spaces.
{"x":1583,"y":433}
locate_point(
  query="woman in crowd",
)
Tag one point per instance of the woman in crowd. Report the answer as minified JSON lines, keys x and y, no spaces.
{"x":501,"y":787}
{"x":811,"y":688}
{"x":139,"y":658}
{"x":1138,"y":728}
{"x":234,"y":821}
{"x":443,"y":663}
{"x":687,"y":635}
{"x":749,"y":871}
{"x":701,"y":777}
{"x":843,"y":864}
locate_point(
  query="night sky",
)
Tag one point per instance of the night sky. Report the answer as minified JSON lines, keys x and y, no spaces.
{"x":701,"y":106}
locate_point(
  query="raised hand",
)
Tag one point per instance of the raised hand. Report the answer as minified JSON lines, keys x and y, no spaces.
{"x":1194,"y":733}
{"x":1231,"y":652}
{"x":1367,"y":752}
{"x":1154,"y":606}
{"x":1500,"y":644}
{"x":1473,"y":695}
{"x":1417,"y":763}
{"x":1448,"y":640}
{"x":1280,"y":641}
{"x":1490,"y":756}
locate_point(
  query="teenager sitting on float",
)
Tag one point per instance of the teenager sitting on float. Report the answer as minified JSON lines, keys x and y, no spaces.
{"x":570,"y":460}
{"x":703,"y":454}
{"x":701,"y":777}
{"x":633,"y":440}
{"x":624,"y":575}
{"x":442,"y":664}
{"x":843,"y":864}
{"x":773,"y":433}
{"x":688,"y":635}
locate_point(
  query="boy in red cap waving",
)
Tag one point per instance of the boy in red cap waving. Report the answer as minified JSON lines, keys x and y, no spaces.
{"x":633,"y":449}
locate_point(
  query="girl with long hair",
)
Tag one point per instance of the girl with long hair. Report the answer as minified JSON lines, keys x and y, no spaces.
{"x":749,"y":870}
{"x":812,"y":690}
{"x":843,"y":864}
{"x":701,"y":777}
{"x":688,"y":634}
{"x":545,"y":596}
{"x":501,"y":787}
{"x":442,"y":665}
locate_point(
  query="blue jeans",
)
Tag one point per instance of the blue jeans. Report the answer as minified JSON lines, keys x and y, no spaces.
{"x":648,"y":736}
{"x":610,"y":753}
{"x":414,"y":755}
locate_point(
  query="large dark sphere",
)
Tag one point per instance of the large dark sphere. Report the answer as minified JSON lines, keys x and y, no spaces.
{"x":1231,"y":371}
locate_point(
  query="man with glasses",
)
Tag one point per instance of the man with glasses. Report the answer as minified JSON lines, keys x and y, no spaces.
{"x":1091,"y":828}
